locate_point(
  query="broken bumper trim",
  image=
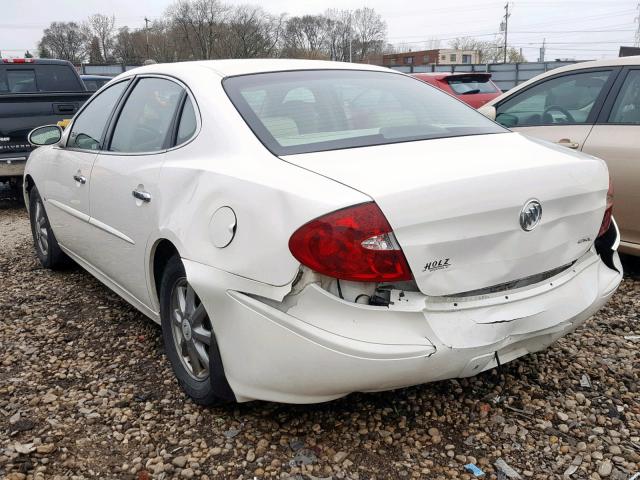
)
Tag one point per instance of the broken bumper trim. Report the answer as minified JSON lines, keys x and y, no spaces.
{"x":323,"y":347}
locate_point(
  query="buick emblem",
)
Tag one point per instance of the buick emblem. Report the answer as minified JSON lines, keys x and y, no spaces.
{"x":530,"y":215}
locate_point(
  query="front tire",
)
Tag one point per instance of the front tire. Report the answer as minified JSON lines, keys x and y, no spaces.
{"x":47,"y":247}
{"x":189,"y":341}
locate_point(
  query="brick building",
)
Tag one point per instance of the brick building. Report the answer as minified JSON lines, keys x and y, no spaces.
{"x":441,"y":56}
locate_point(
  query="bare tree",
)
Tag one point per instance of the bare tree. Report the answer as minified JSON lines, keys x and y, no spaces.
{"x":306,"y":37}
{"x":199,"y":23}
{"x":490,"y":51}
{"x":250,"y":32}
{"x":163,"y":42}
{"x":95,"y":55}
{"x":369,"y":32}
{"x":338,"y":34}
{"x":102,"y":27}
{"x":206,"y":29}
{"x":124,"y":47}
{"x":64,"y":40}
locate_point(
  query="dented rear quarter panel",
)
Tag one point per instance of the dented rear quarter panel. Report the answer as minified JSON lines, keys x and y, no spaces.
{"x":226,"y":165}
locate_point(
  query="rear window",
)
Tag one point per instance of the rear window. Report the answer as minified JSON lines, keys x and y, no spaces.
{"x":34,"y":78}
{"x":471,"y":85}
{"x":317,"y":110}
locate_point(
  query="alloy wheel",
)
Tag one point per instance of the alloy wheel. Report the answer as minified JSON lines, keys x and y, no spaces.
{"x":191,"y":330}
{"x":40,"y":229}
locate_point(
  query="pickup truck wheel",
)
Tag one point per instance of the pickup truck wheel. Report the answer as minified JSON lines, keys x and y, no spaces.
{"x":44,"y":240}
{"x":15,"y":184}
{"x":189,"y":341}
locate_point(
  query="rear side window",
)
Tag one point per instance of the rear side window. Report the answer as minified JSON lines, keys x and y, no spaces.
{"x":21,"y":81}
{"x":57,"y":78}
{"x":626,"y":110}
{"x":88,"y":127}
{"x":317,"y":110}
{"x":145,"y":120}
{"x":471,"y":85}
{"x":188,"y":122}
{"x":39,"y":78}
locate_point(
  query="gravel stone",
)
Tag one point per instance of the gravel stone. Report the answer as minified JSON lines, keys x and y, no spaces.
{"x":605,"y":468}
{"x":86,"y":392}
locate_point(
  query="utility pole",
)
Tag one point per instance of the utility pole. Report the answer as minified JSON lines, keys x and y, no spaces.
{"x":350,"y":36}
{"x":636,"y":42}
{"x":146,"y":31}
{"x":542,"y":50}
{"x":505,"y":28}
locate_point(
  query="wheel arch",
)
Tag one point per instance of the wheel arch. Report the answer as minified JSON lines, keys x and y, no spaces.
{"x":29,"y":183}
{"x":163,"y":249}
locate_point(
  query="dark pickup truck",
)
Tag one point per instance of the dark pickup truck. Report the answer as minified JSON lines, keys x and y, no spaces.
{"x":33,"y":92}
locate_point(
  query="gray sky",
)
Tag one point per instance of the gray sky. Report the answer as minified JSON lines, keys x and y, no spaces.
{"x":582,"y":29}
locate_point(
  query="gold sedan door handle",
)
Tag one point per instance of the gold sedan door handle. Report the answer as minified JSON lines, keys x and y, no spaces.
{"x":566,"y":142}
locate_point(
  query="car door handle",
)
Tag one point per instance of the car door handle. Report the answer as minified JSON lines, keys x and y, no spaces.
{"x":566,"y":142}
{"x":141,"y":195}
{"x":80,"y":179}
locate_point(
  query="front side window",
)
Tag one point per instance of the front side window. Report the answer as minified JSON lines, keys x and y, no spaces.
{"x":144,"y":122}
{"x":561,"y":100}
{"x":88,"y":129}
{"x":627,"y":107}
{"x":347,"y":108}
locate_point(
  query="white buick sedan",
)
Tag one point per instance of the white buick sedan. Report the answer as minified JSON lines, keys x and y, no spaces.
{"x":303,"y":229}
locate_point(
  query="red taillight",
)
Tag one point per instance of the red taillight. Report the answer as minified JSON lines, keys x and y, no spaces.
{"x":355,"y":243}
{"x":606,"y":220}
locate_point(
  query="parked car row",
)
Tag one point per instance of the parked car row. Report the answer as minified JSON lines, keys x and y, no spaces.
{"x":303,"y":229}
{"x":593,"y":107}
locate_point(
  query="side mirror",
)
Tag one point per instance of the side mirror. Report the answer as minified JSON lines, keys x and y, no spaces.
{"x":507,"y":120}
{"x":47,"y":135}
{"x":488,"y":111}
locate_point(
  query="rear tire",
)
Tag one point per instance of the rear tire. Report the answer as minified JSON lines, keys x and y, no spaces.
{"x":189,"y":341}
{"x":44,"y":240}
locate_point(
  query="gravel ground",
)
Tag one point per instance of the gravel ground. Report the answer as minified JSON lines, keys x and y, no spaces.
{"x":86,"y":392}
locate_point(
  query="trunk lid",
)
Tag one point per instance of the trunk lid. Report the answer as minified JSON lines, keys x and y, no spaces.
{"x":454,"y":204}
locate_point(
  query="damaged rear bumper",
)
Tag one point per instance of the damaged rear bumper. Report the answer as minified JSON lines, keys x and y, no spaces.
{"x":322,"y":347}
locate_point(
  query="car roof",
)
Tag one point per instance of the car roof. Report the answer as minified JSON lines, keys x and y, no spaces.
{"x":229,"y":68}
{"x":607,"y":62}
